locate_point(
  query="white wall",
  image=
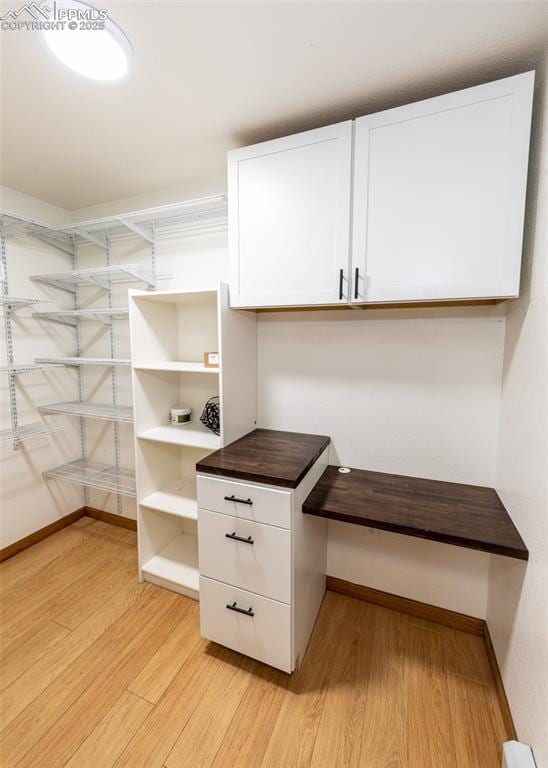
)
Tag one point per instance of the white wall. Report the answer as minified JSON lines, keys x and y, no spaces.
{"x":411,"y":391}
{"x":517,"y":612}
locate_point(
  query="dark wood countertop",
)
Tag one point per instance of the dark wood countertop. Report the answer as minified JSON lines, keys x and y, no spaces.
{"x":267,"y":456}
{"x":466,"y":515}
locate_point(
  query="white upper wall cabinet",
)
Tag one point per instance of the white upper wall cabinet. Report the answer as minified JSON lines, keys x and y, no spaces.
{"x":439,"y":196}
{"x":435,"y":214}
{"x":289,"y":219}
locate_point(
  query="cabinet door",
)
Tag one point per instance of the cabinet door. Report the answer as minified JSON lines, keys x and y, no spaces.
{"x":289,"y":219}
{"x":439,"y":195}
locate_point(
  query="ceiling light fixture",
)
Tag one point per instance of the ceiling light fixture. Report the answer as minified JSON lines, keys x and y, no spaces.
{"x":99,"y":53}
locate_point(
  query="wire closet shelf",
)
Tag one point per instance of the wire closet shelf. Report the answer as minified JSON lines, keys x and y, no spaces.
{"x":101,"y":411}
{"x":20,"y":434}
{"x":90,"y":474}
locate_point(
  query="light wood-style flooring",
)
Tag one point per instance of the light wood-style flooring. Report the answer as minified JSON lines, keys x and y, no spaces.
{"x":100,"y":671}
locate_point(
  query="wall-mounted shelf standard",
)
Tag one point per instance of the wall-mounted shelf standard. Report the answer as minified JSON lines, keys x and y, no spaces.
{"x":16,"y":370}
{"x":101,"y":277}
{"x":465,"y":515}
{"x":123,"y":413}
{"x":92,"y":475}
{"x":13,"y":303}
{"x":26,"y":432}
{"x":71,"y":316}
{"x":108,"y":361}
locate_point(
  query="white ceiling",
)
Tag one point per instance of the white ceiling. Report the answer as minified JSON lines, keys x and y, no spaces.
{"x":211,"y":76}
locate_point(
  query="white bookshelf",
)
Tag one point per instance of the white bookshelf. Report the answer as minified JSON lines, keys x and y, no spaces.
{"x":170,"y":332}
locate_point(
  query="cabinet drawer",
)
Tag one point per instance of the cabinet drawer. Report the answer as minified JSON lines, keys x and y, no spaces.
{"x":265,"y":635}
{"x":242,"y":500}
{"x":261,"y":563}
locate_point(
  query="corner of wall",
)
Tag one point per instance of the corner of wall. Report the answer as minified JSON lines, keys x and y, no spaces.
{"x":518,"y":592}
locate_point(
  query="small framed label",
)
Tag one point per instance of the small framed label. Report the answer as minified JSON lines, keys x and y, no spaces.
{"x":211,"y":359}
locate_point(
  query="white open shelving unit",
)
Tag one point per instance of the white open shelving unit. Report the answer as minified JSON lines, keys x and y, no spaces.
{"x":170,"y":332}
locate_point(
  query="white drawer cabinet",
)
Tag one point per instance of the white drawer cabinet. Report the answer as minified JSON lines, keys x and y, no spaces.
{"x":436,"y":212}
{"x":262,"y":565}
{"x":249,"y":555}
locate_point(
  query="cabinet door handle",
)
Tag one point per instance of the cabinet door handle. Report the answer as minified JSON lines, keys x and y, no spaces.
{"x":356,"y":277}
{"x":234,"y":537}
{"x":234,"y":607}
{"x":238,"y":501}
{"x":341,"y":277}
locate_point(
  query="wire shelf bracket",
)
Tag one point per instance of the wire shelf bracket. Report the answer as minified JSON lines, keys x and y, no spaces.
{"x":15,"y":370}
{"x":61,"y":244}
{"x":136,"y":229}
{"x":89,"y":237}
{"x":13,"y":303}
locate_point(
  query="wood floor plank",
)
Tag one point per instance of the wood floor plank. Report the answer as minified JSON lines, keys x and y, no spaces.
{"x":40,"y":584}
{"x":294,"y":732}
{"x":477,"y":724}
{"x":260,"y":706}
{"x":339,"y":733}
{"x":106,"y":742}
{"x":204,"y":731}
{"x":77,"y":596}
{"x":430,"y":740}
{"x":155,"y":677}
{"x":384,"y":727}
{"x":98,"y":590}
{"x":27,"y":654}
{"x":63,"y":716}
{"x":160,"y":731}
{"x":15,"y":570}
{"x":43,"y":588}
{"x":464,"y":654}
{"x":28,"y":686}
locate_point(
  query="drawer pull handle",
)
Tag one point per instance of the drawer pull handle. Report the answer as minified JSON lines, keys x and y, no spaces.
{"x":234,"y":537}
{"x":234,"y":607}
{"x":237,"y":500}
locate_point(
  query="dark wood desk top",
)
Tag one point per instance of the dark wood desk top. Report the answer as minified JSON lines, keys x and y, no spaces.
{"x":266,"y":456}
{"x":465,"y":515}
